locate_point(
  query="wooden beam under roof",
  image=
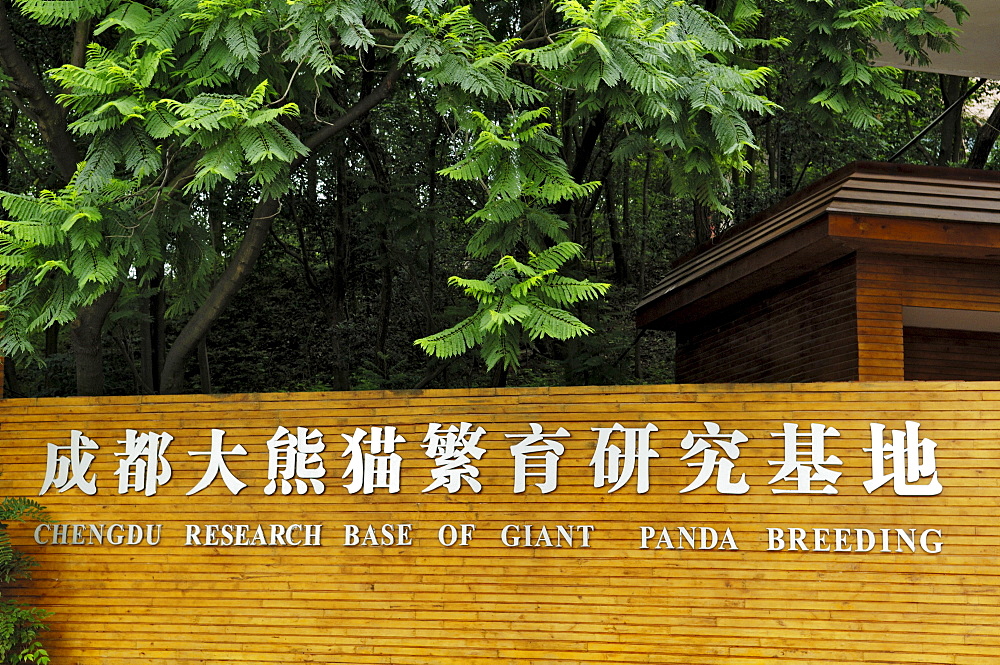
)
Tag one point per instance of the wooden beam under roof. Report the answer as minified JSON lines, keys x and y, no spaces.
{"x":898,"y":208}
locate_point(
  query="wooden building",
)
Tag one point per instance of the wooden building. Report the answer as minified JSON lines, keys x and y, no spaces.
{"x":878,"y":272}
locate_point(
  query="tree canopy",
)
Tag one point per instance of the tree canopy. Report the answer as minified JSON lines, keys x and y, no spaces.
{"x":176,"y":169}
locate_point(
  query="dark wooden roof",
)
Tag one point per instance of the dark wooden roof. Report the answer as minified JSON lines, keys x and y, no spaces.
{"x":888,"y":207}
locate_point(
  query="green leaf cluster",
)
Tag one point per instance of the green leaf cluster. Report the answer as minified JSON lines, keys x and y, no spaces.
{"x":62,"y":250}
{"x":135,"y":129}
{"x":20,"y":625}
{"x":667,"y":72}
{"x":456,"y":52}
{"x":844,"y":38}
{"x":520,"y":168}
{"x":517,"y":303}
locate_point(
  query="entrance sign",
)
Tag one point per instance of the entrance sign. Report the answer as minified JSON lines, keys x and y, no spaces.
{"x":682,"y":524}
{"x":300,"y":460}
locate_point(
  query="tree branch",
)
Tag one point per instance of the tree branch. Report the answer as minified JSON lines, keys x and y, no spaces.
{"x":50,"y":116}
{"x":80,"y":40}
{"x":246,"y":255}
{"x":353,"y":114}
{"x":366,"y":104}
{"x":986,"y":138}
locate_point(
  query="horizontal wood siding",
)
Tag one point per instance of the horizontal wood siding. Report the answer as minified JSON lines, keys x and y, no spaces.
{"x":880,"y":320}
{"x":889,"y":282}
{"x":801,"y":332}
{"x":949,"y":355}
{"x":486,"y":603}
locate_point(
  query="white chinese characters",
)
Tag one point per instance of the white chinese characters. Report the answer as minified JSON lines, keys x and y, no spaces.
{"x":295,"y":457}
{"x":64,"y":472}
{"x":613,"y":464}
{"x":377,"y":467}
{"x":217,"y":465}
{"x":537,"y":456}
{"x":453,"y":449}
{"x":804,"y":463}
{"x":697,"y":444}
{"x":144,"y":467}
{"x":621,"y":455}
{"x":912,"y":459}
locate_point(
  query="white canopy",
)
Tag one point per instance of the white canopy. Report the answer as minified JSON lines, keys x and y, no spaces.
{"x":979,"y":39}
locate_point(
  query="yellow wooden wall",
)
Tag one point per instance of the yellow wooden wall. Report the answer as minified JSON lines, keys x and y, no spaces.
{"x":486,"y":603}
{"x":889,"y":282}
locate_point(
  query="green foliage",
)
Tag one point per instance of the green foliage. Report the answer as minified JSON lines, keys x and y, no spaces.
{"x":535,"y":113}
{"x":135,"y":129}
{"x":657,"y":68}
{"x":69,"y":247}
{"x":663,"y":69}
{"x":837,"y":78}
{"x":170,"y":111}
{"x":517,"y":302}
{"x":20,"y":626}
{"x":64,"y":12}
{"x":522,"y":172}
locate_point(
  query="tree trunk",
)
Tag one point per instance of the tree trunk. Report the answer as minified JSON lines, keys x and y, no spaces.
{"x":646,"y":177}
{"x":235,"y":275}
{"x":614,"y":230}
{"x":384,"y":301}
{"x":950,"y":152}
{"x":6,"y":146}
{"x":773,"y":156}
{"x":153,"y":334}
{"x":337,"y":312}
{"x":377,"y":159}
{"x":986,"y":138}
{"x":204,"y":371}
{"x":703,"y":231}
{"x":31,"y":94}
{"x":498,"y":376}
{"x":146,"y":364}
{"x":52,"y":340}
{"x":154,"y":348}
{"x":627,"y":230}
{"x":246,"y":255}
{"x":85,"y":339}
{"x":578,"y":170}
{"x":432,"y":187}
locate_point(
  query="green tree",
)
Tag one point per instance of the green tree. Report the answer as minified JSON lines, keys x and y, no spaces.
{"x":824,"y":77}
{"x":641,"y":77}
{"x":196,"y":125}
{"x":188,"y":96}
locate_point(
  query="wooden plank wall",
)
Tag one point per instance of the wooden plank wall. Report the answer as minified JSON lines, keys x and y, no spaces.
{"x":935,"y":355}
{"x":888,"y":282}
{"x":487,"y":603}
{"x":803,"y":331}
